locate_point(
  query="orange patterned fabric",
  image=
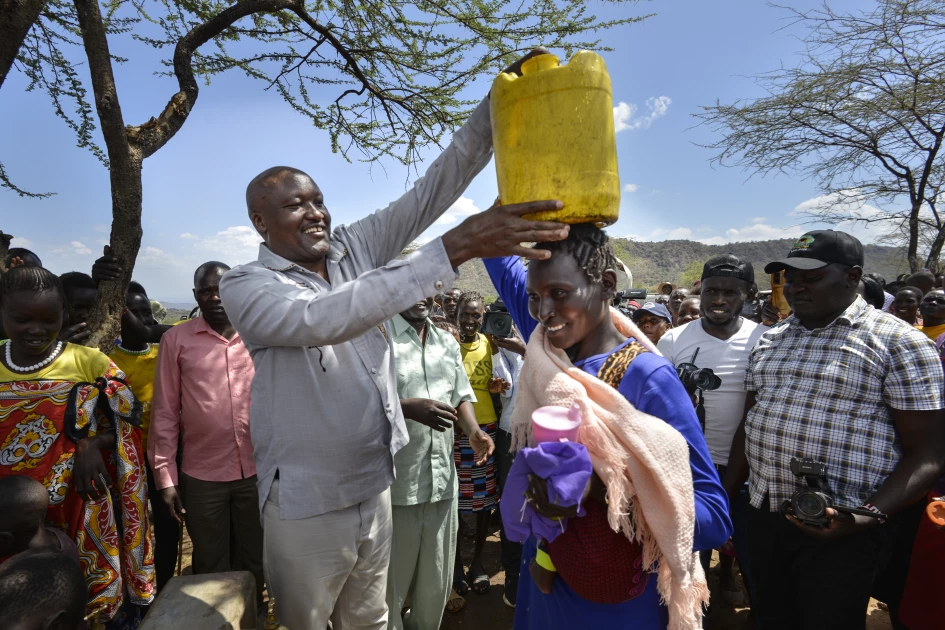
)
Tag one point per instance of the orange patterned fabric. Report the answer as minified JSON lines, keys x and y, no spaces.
{"x":40,"y":423}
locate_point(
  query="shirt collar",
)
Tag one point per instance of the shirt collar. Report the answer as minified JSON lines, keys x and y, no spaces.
{"x":849,"y":316}
{"x":402,"y":327}
{"x":203,"y":327}
{"x":278,"y":263}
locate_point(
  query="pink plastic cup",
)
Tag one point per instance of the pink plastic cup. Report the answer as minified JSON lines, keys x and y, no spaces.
{"x":556,"y":424}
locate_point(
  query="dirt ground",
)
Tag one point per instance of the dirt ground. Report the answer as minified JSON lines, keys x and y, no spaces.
{"x":490,"y":612}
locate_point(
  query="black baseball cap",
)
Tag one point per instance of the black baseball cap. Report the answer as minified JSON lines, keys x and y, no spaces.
{"x":820,"y":248}
{"x":728,"y":266}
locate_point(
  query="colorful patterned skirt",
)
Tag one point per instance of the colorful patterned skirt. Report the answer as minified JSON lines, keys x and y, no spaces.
{"x":40,"y":423}
{"x":478,"y":490}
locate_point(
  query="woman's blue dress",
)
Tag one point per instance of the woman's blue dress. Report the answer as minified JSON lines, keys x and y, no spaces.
{"x":650,"y":385}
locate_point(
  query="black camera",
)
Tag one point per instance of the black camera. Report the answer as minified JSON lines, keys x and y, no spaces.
{"x":695,"y":378}
{"x":810,"y":505}
{"x":497,"y":324}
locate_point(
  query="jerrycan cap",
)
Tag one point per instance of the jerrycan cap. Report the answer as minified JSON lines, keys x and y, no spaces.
{"x":540,"y":62}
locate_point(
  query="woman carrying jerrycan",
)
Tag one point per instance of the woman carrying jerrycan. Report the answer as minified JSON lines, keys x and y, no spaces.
{"x":612,"y":517}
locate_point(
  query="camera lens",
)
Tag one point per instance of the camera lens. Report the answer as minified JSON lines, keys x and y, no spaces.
{"x":810,"y":505}
{"x":705,"y":380}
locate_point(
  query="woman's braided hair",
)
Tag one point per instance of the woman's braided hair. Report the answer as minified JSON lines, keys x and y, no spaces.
{"x":590,"y":247}
{"x":29,"y":280}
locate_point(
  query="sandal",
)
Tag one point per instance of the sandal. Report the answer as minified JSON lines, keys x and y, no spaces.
{"x":481,"y":584}
{"x":455,"y":603}
{"x":460,"y":585}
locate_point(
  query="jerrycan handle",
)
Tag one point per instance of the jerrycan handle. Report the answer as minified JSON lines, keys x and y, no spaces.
{"x":540,"y":62}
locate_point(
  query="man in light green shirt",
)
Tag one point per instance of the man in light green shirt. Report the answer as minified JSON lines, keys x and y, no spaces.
{"x":435,"y":394}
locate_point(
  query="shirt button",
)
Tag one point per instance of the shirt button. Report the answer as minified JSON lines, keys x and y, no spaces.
{"x":373,"y":370}
{"x":438,"y":285}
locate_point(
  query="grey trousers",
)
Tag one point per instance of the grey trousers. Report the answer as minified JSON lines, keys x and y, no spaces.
{"x":329,"y":567}
{"x":421,"y":562}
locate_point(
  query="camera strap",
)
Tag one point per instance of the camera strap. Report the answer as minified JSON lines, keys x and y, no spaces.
{"x":700,"y":409}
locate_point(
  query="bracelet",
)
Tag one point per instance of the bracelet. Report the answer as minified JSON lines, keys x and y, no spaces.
{"x":875,"y":510}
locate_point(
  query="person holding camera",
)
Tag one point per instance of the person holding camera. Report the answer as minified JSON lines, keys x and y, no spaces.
{"x":843,"y":427}
{"x":721,"y":340}
{"x":499,"y":329}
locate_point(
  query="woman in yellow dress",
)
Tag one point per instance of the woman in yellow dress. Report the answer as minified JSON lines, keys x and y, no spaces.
{"x":68,"y":420}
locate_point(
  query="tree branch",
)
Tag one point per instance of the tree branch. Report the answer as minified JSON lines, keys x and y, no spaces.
{"x":154,"y":134}
{"x":16,"y":19}
{"x":124,"y":175}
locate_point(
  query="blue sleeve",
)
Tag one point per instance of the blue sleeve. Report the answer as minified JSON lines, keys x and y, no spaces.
{"x":651,"y":385}
{"x":508,"y":277}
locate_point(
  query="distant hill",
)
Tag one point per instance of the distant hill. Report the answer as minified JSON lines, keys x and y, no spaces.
{"x":655,"y":262}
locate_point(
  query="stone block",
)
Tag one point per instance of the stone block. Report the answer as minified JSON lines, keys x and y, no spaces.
{"x":214,"y":601}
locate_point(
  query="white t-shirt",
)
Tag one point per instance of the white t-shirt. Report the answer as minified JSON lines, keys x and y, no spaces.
{"x":725,"y":406}
{"x":507,"y":365}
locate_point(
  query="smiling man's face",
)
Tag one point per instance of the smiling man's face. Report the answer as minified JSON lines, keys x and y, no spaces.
{"x":723,"y":298}
{"x":288,"y":210}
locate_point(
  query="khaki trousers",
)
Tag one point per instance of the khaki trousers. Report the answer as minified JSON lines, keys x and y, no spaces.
{"x":421,"y":562}
{"x":329,"y":567}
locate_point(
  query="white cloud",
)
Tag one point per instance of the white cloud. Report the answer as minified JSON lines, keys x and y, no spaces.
{"x":102,"y":228}
{"x":756,"y":231}
{"x":237,"y":245}
{"x":19,"y":241}
{"x":188,"y":236}
{"x":761,"y":232}
{"x":758,"y":220}
{"x":673,"y":234}
{"x":625,"y":114}
{"x":80,"y":249}
{"x":464,"y":207}
{"x":631,"y":188}
{"x":849,"y":204}
{"x":151,"y":253}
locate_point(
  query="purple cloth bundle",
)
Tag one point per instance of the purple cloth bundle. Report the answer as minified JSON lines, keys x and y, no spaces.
{"x":567,"y":468}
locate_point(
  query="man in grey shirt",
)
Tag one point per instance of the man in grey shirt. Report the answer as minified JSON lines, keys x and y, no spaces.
{"x":325,"y":417}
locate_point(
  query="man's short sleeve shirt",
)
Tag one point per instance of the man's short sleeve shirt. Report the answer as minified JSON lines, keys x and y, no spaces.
{"x":826,"y":394}
{"x":425,"y":471}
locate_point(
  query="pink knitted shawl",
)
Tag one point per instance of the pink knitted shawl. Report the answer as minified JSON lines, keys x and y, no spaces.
{"x":643,"y":461}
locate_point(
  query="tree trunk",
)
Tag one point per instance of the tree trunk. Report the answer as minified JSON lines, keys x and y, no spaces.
{"x":125,"y":174}
{"x":16,"y":19}
{"x":935,"y":253}
{"x":912,"y":254}
{"x":4,"y":249}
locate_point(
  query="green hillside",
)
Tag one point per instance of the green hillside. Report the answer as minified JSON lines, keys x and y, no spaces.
{"x":655,"y":262}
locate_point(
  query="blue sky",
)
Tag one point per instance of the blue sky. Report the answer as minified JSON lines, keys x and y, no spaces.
{"x":663,"y":70}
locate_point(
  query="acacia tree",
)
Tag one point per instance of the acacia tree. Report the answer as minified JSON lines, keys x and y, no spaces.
{"x":384,"y":77}
{"x":863,"y":115}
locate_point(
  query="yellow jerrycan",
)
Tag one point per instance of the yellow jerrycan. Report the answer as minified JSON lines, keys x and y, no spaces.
{"x":553,"y":134}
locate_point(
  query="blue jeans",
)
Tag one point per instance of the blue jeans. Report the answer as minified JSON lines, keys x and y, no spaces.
{"x":738,"y":511}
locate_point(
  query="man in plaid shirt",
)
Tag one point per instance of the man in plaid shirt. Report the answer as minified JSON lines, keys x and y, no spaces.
{"x":853,"y":388}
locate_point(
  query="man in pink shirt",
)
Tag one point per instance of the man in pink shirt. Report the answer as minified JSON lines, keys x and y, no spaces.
{"x":202,"y":399}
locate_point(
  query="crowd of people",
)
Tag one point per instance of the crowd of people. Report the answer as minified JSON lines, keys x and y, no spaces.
{"x":335,"y":410}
